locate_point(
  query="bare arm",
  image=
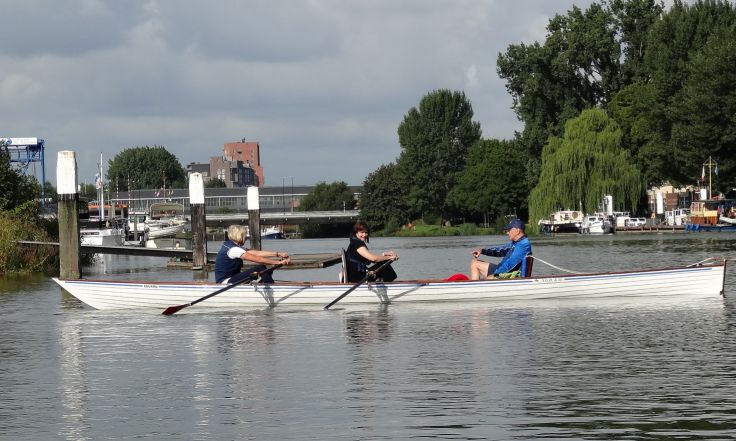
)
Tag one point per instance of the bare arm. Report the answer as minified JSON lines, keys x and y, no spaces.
{"x":265,"y":257}
{"x":390,"y":255}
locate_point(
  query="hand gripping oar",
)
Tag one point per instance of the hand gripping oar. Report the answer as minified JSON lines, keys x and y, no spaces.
{"x":174,"y":309}
{"x":362,"y":281}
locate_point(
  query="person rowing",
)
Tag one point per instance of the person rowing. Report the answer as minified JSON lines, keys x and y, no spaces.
{"x":359,"y":257}
{"x":229,"y":261}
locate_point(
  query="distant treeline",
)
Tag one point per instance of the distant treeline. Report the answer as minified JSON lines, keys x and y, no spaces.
{"x":620,"y":96}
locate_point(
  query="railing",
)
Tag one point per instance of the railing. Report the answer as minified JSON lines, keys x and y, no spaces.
{"x":293,"y":218}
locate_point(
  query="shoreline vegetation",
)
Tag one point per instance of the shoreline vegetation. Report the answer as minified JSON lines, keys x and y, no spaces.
{"x":24,"y":224}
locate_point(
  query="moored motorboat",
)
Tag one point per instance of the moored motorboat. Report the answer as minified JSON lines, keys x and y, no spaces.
{"x":273,"y":232}
{"x":101,"y":232}
{"x":595,"y":224}
{"x":702,"y":280}
{"x":564,"y":221}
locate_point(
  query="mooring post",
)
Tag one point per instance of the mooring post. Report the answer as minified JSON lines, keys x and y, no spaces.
{"x":199,"y":222}
{"x":69,"y":244}
{"x":254,"y":218}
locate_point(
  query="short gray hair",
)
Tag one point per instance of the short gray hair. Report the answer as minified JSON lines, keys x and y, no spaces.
{"x":236,"y":233}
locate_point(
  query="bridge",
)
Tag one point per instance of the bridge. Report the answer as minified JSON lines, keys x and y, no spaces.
{"x":290,"y":218}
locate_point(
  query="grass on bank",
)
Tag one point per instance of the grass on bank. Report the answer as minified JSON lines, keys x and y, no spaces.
{"x":23,"y":223}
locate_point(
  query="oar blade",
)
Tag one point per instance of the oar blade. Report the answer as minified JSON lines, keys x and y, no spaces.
{"x":174,"y":309}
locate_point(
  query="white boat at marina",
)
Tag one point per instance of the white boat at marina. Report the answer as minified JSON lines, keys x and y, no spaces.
{"x":703,"y":280}
{"x":596,"y":224}
{"x":164,"y":228}
{"x":105,"y":232}
{"x":563,"y":221}
{"x":272,"y":232}
{"x":165,"y":220}
{"x":677,"y":217}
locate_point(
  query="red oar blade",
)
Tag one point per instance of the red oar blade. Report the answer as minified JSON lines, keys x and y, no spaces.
{"x":174,"y":309}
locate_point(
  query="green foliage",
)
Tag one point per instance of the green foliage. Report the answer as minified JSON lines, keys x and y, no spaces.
{"x":382,"y":202}
{"x":15,"y":188}
{"x":704,"y":119}
{"x":335,"y":196}
{"x":50,"y":191}
{"x":578,"y":66}
{"x":641,"y":113}
{"x":688,"y":111}
{"x":22,"y":223}
{"x":215,"y":183}
{"x":494,"y":183}
{"x":435,"y":138}
{"x":88,"y":191}
{"x":145,"y":167}
{"x":583,"y":166}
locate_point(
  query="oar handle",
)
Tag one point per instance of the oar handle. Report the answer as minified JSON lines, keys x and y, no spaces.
{"x":173,"y":309}
{"x":352,"y":288}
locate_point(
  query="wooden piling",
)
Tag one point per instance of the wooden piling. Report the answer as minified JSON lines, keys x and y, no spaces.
{"x":254,"y":218}
{"x":199,"y":222}
{"x":69,"y":242}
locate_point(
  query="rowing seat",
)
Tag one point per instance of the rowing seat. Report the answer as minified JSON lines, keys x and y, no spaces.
{"x":343,"y":275}
{"x":528,"y":266}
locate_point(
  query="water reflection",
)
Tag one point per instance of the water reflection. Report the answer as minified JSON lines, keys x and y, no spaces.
{"x":573,"y":369}
{"x":368,"y":327}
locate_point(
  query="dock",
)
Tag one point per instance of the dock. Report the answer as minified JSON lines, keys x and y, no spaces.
{"x":652,"y":229}
{"x":182,"y":258}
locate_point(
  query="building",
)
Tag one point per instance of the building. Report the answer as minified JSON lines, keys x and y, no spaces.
{"x":224,"y":200}
{"x":239,"y":166}
{"x":234,"y":173}
{"x":249,"y":153}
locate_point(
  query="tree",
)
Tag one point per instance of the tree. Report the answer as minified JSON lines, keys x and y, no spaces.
{"x":435,"y":139}
{"x":494,"y":183}
{"x":325,"y":197}
{"x":583,"y":166}
{"x":215,"y":183}
{"x":88,"y":191}
{"x":704,"y":119}
{"x":49,"y":191}
{"x":335,"y":196}
{"x":641,"y":112}
{"x":15,"y":187}
{"x":382,"y":203}
{"x":145,"y":167}
{"x":580,"y":65}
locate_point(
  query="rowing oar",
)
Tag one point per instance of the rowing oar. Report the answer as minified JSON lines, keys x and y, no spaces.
{"x":362,"y":281}
{"x":174,"y":309}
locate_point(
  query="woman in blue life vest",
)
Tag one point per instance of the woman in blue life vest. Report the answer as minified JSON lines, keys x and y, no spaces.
{"x":514,"y":254}
{"x":229,"y":262}
{"x":359,"y":257}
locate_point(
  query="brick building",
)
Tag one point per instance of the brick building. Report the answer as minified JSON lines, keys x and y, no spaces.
{"x":239,"y":166}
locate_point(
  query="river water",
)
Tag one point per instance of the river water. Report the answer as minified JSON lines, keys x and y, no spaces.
{"x":613,"y":369}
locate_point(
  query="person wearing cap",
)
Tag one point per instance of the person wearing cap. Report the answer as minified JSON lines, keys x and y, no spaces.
{"x":513,"y":253}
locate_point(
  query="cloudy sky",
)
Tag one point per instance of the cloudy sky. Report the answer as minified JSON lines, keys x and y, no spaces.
{"x":321,"y":84}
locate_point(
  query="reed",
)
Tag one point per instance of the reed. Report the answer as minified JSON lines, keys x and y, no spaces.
{"x":18,"y":225}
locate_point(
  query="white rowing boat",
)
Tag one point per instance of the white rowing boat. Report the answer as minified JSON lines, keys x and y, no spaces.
{"x":686,"y":282}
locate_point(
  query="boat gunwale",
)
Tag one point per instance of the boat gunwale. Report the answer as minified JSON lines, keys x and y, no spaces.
{"x":411,"y":282}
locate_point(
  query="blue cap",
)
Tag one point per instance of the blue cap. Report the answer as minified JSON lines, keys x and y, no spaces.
{"x":515,"y":223}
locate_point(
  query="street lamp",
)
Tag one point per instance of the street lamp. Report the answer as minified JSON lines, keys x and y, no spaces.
{"x":283,"y":194}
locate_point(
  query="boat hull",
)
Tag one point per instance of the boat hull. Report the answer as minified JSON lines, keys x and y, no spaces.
{"x":690,"y":282}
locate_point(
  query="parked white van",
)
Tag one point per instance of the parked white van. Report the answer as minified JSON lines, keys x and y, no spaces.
{"x":636,"y":222}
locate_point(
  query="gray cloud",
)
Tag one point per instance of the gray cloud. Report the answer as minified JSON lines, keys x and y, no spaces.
{"x":322,"y":84}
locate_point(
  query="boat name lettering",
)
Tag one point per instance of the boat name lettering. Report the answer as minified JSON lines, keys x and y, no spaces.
{"x":550,"y":280}
{"x":150,"y":286}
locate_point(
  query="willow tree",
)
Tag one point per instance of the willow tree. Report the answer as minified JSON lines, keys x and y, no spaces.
{"x":587,"y":163}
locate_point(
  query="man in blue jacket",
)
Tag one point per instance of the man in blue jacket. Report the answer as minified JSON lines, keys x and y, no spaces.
{"x":513,"y":254}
